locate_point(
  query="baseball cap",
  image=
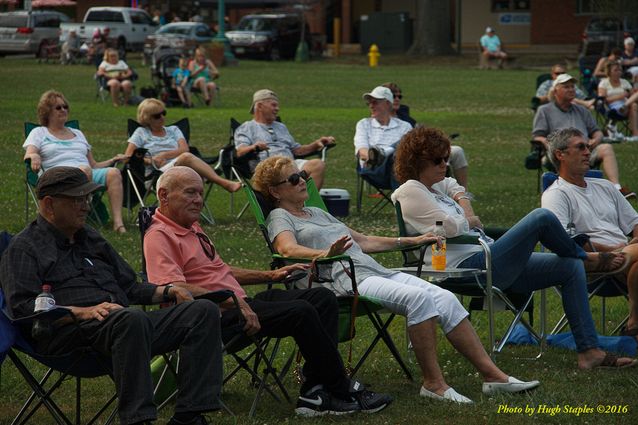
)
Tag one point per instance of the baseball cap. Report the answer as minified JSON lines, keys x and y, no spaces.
{"x":67,"y":181}
{"x":261,"y":95}
{"x":489,"y":29}
{"x":562,"y":79}
{"x":380,"y":93}
{"x":629,"y":40}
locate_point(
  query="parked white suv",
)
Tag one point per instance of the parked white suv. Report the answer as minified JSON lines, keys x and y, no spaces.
{"x":24,"y":33}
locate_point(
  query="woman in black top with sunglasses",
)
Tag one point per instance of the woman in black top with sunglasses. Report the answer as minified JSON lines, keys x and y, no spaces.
{"x":167,"y":145}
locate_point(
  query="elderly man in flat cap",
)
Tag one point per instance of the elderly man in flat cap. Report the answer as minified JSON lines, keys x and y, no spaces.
{"x":265,"y":136}
{"x":98,"y":287}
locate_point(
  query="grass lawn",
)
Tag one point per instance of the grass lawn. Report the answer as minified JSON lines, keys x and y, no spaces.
{"x":488,"y":108}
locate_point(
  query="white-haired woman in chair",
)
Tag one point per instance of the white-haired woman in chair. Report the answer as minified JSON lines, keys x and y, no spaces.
{"x":53,"y":144}
{"x":167,"y":145}
{"x":427,"y":196}
{"x":298,"y":231}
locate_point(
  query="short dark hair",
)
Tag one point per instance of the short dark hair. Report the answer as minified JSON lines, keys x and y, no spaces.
{"x":417,"y":146}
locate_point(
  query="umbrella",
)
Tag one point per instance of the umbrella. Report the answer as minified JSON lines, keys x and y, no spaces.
{"x":52,"y":3}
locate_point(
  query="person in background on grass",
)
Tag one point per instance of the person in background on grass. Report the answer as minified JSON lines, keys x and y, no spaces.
{"x":202,"y":73}
{"x":458,"y":162}
{"x":629,"y":59}
{"x":562,"y":113}
{"x":117,"y":75}
{"x":167,"y":145}
{"x":53,"y":145}
{"x":619,"y":95}
{"x":545,"y":95}
{"x":427,"y":196}
{"x":491,"y":46}
{"x":301,"y":232}
{"x":265,"y":136}
{"x":89,"y":277}
{"x":179,"y":253}
{"x":181,"y":82}
{"x":592,"y":206}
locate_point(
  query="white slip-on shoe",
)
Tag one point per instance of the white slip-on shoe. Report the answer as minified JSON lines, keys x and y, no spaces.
{"x":512,"y":385}
{"x":449,"y":395}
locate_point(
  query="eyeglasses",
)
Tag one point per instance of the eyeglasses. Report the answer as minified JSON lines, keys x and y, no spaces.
{"x":60,"y":107}
{"x":294,"y":179}
{"x":207,"y":245}
{"x":580,"y":146}
{"x":398,"y":96}
{"x":159,"y":115}
{"x":78,"y":201}
{"x":272,"y":133}
{"x":439,"y":160}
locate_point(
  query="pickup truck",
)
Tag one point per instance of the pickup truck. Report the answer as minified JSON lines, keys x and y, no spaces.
{"x":128,"y":26}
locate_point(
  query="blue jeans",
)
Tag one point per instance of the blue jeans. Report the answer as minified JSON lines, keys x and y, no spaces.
{"x":517,"y":268}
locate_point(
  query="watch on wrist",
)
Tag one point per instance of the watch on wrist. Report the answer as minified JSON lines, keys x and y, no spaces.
{"x":165,"y":294}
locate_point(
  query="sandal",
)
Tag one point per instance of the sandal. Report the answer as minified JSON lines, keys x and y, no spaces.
{"x":611,"y":362}
{"x":604,"y":265}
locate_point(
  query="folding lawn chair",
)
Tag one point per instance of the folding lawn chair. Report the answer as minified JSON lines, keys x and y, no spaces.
{"x":235,"y":341}
{"x":478,"y":284}
{"x":614,"y":125}
{"x":102,"y":89}
{"x":98,"y":214}
{"x":350,"y":307}
{"x":536,"y":102}
{"x":78,"y":364}
{"x":140,"y":185}
{"x":603,"y":287}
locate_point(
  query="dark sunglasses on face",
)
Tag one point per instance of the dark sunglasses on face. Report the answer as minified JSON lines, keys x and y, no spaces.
{"x":398,"y":96}
{"x":60,"y":107}
{"x":438,"y":161}
{"x":159,"y":115}
{"x":559,"y":73}
{"x":207,"y":245}
{"x":294,"y":179}
{"x":580,"y":146}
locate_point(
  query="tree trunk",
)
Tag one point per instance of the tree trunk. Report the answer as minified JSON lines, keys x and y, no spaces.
{"x":432,"y":29}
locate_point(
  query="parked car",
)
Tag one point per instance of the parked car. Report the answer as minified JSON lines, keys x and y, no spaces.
{"x":183,"y":36}
{"x":128,"y":26}
{"x":21,"y":33}
{"x":270,"y":36}
{"x":604,"y":33}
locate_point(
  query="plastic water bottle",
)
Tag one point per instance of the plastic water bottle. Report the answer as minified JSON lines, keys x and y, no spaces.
{"x":439,"y":250}
{"x":43,"y":328}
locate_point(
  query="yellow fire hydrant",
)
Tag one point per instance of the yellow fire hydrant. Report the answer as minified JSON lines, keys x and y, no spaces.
{"x":373,"y":56}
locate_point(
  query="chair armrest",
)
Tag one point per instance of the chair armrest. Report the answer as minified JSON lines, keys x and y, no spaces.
{"x":320,"y":153}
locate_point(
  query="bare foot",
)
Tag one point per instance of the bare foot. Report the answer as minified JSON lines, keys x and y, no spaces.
{"x":595,"y":358}
{"x":231,"y":186}
{"x":119,"y":228}
{"x":605,"y":262}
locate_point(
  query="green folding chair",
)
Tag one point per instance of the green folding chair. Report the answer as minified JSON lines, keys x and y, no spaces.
{"x":352,"y":306}
{"x":99,"y":214}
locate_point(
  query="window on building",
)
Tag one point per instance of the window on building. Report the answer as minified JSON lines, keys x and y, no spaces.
{"x":510,"y":5}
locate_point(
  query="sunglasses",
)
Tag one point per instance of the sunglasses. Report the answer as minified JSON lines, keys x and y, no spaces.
{"x":559,"y":73}
{"x":159,"y":115}
{"x":60,"y":107}
{"x":293,"y":179}
{"x":398,"y":96}
{"x":207,"y":245}
{"x":439,"y":160}
{"x":580,"y":146}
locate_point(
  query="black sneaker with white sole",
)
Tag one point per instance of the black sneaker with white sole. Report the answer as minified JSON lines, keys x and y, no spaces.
{"x":318,"y":402}
{"x":369,"y":402}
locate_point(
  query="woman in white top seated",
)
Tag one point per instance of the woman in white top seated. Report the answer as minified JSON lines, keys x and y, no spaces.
{"x":167,"y":145}
{"x":117,"y":75}
{"x":53,"y":145}
{"x":427,"y":196}
{"x":618,"y":94}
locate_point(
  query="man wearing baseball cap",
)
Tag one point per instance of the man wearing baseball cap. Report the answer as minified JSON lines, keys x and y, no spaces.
{"x":264,"y":136}
{"x":376,"y":137}
{"x":561,"y":113}
{"x":88,"y":277}
{"x":491,"y":46}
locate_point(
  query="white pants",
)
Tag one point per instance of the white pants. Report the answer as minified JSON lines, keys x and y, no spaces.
{"x":414,"y":298}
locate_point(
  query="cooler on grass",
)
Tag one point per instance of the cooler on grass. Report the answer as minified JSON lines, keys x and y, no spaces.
{"x":337,"y":201}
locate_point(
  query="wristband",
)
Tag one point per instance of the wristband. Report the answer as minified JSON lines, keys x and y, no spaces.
{"x":165,"y":294}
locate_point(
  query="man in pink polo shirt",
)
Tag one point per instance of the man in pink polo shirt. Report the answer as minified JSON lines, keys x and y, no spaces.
{"x":179,"y":253}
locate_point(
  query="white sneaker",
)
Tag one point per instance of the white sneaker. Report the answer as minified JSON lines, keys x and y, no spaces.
{"x":512,"y":385}
{"x":449,"y":395}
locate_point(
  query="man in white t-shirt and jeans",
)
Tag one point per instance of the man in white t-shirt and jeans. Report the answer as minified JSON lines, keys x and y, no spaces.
{"x":595,"y":207}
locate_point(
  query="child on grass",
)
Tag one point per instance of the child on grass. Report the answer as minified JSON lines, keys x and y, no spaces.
{"x":181,"y":82}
